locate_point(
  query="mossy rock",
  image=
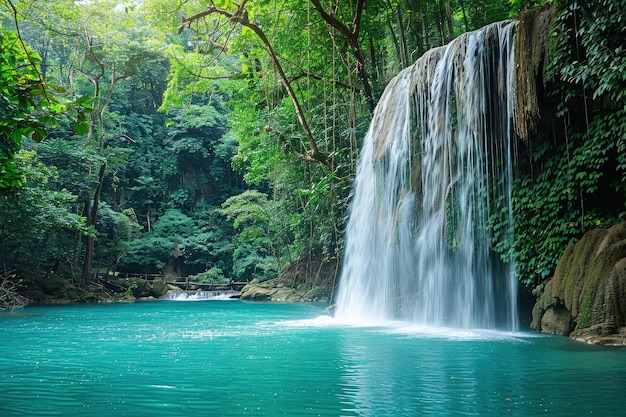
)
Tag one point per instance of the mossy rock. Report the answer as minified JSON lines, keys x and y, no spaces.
{"x":305,"y":280}
{"x":275,"y":290}
{"x":159,"y":288}
{"x":589,"y":283}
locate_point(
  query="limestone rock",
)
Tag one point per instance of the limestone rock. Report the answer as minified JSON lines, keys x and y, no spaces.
{"x":307,"y":280}
{"x":278,"y":290}
{"x":557,"y":320}
{"x":159,"y":288}
{"x":587,"y":293}
{"x":600,"y":335}
{"x":141,"y":288}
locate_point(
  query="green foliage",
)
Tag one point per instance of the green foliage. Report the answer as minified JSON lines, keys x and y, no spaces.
{"x":247,"y":210}
{"x":29,"y":107}
{"x":115,"y":231}
{"x":151,"y":251}
{"x":590,"y":49}
{"x":578,"y":188}
{"x":129,"y":291}
{"x":518,"y":6}
{"x":37,"y":225}
{"x":214,"y":275}
{"x":165,"y":242}
{"x":257,"y":249}
{"x":199,"y":242}
{"x":73,"y":160}
{"x":572,"y":178}
{"x":251,"y":262}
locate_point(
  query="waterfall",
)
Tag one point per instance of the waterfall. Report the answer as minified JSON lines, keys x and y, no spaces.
{"x":436,"y":163}
{"x":202,"y":295}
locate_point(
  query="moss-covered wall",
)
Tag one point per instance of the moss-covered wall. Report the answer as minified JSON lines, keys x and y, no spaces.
{"x":590,"y":283}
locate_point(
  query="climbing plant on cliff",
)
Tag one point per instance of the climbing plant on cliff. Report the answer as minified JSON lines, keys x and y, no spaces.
{"x":574,"y":166}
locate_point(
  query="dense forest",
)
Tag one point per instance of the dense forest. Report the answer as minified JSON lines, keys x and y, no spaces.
{"x":218,"y":141}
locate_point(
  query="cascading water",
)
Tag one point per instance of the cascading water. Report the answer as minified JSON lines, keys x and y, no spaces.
{"x":202,"y":295}
{"x":435,"y":165}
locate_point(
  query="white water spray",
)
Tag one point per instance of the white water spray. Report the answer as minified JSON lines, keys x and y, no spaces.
{"x":437,"y":158}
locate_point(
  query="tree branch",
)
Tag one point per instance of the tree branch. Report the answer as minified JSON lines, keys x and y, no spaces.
{"x":308,"y":157}
{"x":352,"y":38}
{"x":241,"y":16}
{"x":320,"y":78}
{"x":28,"y":55}
{"x":10,"y":298}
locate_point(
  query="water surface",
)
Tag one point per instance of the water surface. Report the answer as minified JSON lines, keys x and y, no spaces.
{"x":231,"y":358}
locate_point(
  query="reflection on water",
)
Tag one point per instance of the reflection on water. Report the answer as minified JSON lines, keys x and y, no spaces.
{"x":232,"y":358}
{"x":428,"y":372}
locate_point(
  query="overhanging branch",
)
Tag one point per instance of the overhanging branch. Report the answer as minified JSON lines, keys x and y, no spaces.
{"x":240,"y":16}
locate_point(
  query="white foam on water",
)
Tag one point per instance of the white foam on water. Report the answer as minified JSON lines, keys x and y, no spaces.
{"x":329,"y":321}
{"x":449,"y":333}
{"x":201,"y":295}
{"x":409,"y":329}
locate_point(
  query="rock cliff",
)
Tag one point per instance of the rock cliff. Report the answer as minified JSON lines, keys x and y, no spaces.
{"x":586,"y":297}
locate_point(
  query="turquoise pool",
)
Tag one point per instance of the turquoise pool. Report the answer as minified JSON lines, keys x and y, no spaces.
{"x":231,"y":358}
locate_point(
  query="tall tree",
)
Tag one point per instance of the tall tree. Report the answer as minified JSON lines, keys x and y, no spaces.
{"x":107,"y":49}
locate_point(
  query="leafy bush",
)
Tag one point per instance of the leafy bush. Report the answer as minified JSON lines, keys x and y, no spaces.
{"x":214,"y":275}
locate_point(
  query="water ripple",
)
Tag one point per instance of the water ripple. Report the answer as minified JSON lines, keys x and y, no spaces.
{"x":236,"y":359}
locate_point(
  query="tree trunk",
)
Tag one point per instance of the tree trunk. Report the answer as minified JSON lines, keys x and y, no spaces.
{"x":465,"y":21}
{"x":91,"y":213}
{"x":351,"y":34}
{"x":441,"y":23}
{"x":404,"y":55}
{"x":449,"y":20}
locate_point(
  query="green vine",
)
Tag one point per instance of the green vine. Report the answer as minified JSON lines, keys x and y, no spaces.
{"x":572,"y":173}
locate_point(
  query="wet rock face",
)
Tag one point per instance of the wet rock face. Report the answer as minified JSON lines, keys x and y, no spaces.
{"x":586,"y":297}
{"x":255,"y":291}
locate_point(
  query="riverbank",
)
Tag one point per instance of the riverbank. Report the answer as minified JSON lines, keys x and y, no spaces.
{"x":305,"y":280}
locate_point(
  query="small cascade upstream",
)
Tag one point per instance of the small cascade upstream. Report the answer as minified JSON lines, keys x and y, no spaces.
{"x":202,"y":295}
{"x":436,"y":163}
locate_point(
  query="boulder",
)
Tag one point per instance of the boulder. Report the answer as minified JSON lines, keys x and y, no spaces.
{"x":557,"y":320}
{"x":586,"y":297}
{"x":141,"y":288}
{"x":309,"y":279}
{"x":279,"y":290}
{"x":159,"y":288}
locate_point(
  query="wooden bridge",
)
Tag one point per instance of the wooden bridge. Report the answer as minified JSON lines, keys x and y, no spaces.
{"x":208,"y":286}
